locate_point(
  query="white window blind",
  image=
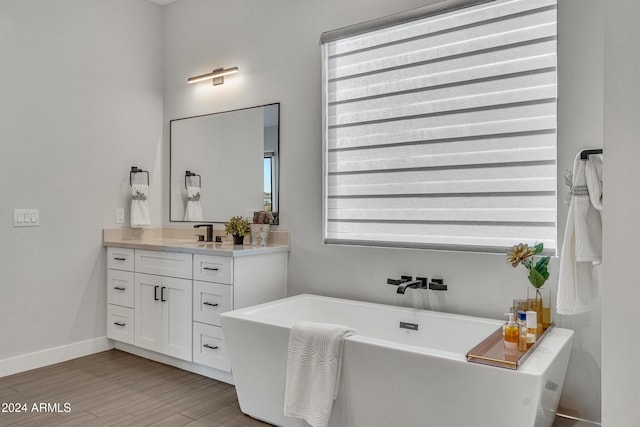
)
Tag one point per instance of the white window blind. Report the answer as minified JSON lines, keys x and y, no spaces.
{"x":441,"y":132}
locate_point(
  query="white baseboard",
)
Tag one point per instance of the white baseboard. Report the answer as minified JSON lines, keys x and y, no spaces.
{"x":54,"y":355}
{"x":206,"y":371}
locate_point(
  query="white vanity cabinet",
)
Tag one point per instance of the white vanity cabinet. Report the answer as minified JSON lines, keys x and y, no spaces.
{"x":163,"y":302}
{"x":166,"y":305}
{"x":227,"y":283}
{"x":212,"y":295}
{"x":163,"y":315}
{"x":120,"y":294}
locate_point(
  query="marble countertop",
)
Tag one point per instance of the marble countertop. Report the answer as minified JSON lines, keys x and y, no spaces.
{"x":178,"y":239}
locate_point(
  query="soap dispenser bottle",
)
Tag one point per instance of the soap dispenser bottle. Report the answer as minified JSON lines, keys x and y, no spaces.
{"x":522,"y":326}
{"x":511,"y":334}
{"x":532,"y":327}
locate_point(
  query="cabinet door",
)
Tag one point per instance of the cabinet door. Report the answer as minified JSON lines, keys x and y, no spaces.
{"x":148,"y":312}
{"x":176,"y":298}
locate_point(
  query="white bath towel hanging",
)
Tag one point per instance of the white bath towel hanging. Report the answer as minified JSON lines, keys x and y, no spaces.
{"x":193,"y":210}
{"x":139,"y":207}
{"x":581,"y":256}
{"x":314,"y":364}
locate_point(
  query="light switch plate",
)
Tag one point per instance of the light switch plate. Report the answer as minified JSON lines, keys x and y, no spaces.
{"x":26,"y":217}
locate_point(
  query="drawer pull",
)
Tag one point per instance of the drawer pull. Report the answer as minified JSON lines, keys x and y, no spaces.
{"x":162,"y":294}
{"x":211,"y":268}
{"x":119,"y":259}
{"x":155,"y":293}
{"x":119,"y":288}
{"x":212,"y":347}
{"x":120,"y":324}
{"x":212,"y":304}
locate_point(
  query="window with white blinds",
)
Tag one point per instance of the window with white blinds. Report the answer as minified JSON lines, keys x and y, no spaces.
{"x":441,"y":132}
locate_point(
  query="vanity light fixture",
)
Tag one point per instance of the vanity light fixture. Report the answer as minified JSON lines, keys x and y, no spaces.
{"x":217,"y":76}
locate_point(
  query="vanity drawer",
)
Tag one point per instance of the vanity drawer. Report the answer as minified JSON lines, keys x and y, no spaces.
{"x":209,"y":348}
{"x":120,"y":258}
{"x":120,"y":287}
{"x":120,"y":324}
{"x":209,"y":300}
{"x":172,"y":264}
{"x":210,"y":268}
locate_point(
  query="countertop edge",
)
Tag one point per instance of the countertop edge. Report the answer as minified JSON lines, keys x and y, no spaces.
{"x":227,"y":251}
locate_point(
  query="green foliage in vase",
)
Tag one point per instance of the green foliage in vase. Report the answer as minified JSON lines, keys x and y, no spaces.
{"x":525,"y":255}
{"x":237,"y":226}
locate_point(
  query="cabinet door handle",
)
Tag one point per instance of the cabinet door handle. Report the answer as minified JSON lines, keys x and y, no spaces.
{"x":119,"y":259}
{"x":211,"y":268}
{"x":212,"y":304}
{"x":162,"y":294}
{"x":155,"y":293}
{"x":212,"y":347}
{"x":119,"y":288}
{"x":120,"y":324}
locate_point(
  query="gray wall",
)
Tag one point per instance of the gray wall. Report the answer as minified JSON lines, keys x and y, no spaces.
{"x":81,"y":85}
{"x":621,"y":397}
{"x":275,"y":44}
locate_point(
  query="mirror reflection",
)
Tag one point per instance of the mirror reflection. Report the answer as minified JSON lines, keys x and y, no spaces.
{"x":224,"y":164}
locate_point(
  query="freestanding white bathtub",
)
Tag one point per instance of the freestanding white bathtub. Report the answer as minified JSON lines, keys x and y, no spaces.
{"x":393,"y":376}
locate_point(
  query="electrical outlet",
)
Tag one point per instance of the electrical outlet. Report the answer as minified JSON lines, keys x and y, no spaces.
{"x":119,"y":215}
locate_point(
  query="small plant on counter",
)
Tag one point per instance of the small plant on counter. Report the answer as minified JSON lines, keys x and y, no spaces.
{"x":525,"y":255}
{"x":237,"y":226}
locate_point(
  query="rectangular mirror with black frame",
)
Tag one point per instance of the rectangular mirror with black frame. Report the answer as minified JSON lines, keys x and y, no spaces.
{"x":225,"y":164}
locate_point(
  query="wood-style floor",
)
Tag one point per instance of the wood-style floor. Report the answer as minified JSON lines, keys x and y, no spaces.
{"x":114,"y":388}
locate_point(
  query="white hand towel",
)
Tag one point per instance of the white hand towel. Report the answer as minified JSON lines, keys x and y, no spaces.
{"x":193,"y":211}
{"x":139,"y":207}
{"x":314,"y":364}
{"x":582,"y":246}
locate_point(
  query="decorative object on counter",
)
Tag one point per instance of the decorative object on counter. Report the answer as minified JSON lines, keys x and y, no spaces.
{"x":139,"y":208}
{"x":238,"y":227}
{"x":260,"y":228}
{"x":538,"y":298}
{"x":193,"y":210}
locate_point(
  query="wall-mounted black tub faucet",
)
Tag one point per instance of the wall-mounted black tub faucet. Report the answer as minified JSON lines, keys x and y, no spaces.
{"x":408,"y":282}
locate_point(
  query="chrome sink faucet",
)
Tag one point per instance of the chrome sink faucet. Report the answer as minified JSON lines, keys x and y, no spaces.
{"x":209,"y":235}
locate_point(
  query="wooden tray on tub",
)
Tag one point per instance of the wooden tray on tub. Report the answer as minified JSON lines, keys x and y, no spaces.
{"x":491,"y":351}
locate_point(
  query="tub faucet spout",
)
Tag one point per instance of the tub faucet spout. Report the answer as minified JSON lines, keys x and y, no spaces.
{"x":419,"y":283}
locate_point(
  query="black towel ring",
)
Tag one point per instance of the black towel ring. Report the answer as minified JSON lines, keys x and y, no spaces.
{"x":187,"y":174}
{"x":135,"y":170}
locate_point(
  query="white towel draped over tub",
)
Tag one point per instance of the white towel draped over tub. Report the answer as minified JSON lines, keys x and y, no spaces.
{"x":581,"y":256}
{"x":314,"y":363}
{"x":193,"y":211}
{"x":139,"y":207}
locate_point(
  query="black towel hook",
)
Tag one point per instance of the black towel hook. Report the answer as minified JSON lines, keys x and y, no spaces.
{"x":584,"y":155}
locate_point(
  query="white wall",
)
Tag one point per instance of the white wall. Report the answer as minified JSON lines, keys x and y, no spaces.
{"x":621,"y":395}
{"x":275,"y":44}
{"x":81,"y":85}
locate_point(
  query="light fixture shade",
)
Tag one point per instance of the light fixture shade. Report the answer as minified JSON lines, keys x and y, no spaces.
{"x":216,"y":75}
